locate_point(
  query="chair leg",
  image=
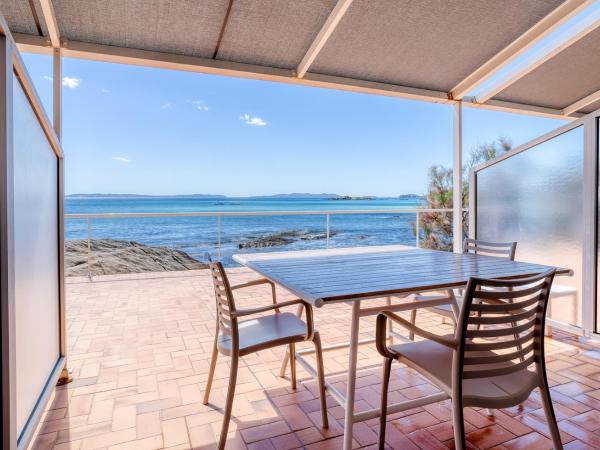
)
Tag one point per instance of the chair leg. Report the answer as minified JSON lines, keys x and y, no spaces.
{"x":550,"y":416}
{"x":229,"y":401}
{"x":321,"y":376}
{"x":458,"y":423}
{"x":293,"y":365}
{"x":286,"y":357}
{"x":211,"y":370}
{"x":413,"y":320}
{"x":387,"y":369}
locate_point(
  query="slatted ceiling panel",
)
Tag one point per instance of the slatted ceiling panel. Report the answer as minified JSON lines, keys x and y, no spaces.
{"x":18,"y":16}
{"x":272,"y":33}
{"x":429,"y":43}
{"x":186,"y":27}
{"x":562,"y":80}
{"x":328,"y":276}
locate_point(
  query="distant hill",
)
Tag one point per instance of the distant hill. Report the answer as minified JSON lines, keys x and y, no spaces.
{"x":293,"y":195}
{"x":203,"y":196}
{"x":209,"y":196}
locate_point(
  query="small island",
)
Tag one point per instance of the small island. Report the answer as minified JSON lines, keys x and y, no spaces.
{"x":349,"y":197}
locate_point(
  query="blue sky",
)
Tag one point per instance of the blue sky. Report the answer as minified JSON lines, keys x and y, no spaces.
{"x":137,"y":130}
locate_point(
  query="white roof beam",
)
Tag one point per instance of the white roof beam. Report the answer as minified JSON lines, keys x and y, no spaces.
{"x":51,"y":23}
{"x":483,"y":97}
{"x":326,"y":31}
{"x":547,"y":25}
{"x":146,"y":58}
{"x":30,"y":43}
{"x":579,"y":104}
{"x":521,"y":108}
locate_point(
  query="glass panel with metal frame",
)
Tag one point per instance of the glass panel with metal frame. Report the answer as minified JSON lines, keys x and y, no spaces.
{"x":535,"y":197}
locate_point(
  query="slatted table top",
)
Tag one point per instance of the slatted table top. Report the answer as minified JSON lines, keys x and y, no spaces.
{"x":345,"y":274}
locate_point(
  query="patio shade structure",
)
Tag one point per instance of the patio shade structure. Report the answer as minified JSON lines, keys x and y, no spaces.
{"x":436,"y":51}
{"x":432,"y":51}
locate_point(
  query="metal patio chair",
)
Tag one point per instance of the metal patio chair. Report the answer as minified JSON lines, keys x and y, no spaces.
{"x":236,"y":338}
{"x":452,"y":310}
{"x":495,"y":359}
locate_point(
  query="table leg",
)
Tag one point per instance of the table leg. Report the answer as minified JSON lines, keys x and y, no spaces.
{"x":286,"y":357}
{"x":351,"y":382}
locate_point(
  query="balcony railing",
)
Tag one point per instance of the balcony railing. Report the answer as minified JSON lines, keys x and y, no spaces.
{"x":89,"y":218}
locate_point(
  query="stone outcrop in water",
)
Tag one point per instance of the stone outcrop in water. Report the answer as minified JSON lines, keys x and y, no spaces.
{"x":109,"y":256}
{"x":282,"y":238}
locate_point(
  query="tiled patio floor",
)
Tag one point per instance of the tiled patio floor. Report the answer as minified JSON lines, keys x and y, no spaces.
{"x":139,"y":349}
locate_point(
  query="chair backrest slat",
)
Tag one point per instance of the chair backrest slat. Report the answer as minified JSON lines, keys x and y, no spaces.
{"x":224,"y":299}
{"x":499,"y":345}
{"x":498,"y":371}
{"x":502,"y":320}
{"x":506,"y":294}
{"x":506,"y":249}
{"x":498,"y":358}
{"x":500,"y":332}
{"x":501,"y":307}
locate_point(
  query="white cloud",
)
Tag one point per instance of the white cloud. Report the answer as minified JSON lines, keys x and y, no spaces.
{"x":121,"y":159}
{"x":71,"y":82}
{"x":200,"y":105}
{"x":254,"y":121}
{"x":104,"y":91}
{"x":48,"y":77}
{"x":167,"y":105}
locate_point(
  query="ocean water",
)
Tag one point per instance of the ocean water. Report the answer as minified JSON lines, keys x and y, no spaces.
{"x":197,"y":235}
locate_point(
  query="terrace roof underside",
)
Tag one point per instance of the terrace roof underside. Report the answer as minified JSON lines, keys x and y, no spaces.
{"x":433,"y":50}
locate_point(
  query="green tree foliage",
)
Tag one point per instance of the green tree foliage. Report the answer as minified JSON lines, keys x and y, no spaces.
{"x":436,"y":228}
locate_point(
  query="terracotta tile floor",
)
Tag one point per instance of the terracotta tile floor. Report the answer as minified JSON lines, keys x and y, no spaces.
{"x":139,"y":348}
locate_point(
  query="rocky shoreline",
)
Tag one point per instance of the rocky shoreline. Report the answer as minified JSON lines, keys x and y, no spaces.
{"x":110,"y":256}
{"x":283,"y":238}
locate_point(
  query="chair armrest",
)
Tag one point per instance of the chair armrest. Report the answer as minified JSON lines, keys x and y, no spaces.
{"x":260,"y":309}
{"x":257,"y":283}
{"x":382,"y":327}
{"x":252,"y":283}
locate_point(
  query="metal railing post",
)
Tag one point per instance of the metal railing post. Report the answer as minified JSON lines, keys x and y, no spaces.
{"x":418,"y":229}
{"x":219,"y":237}
{"x":89,"y":247}
{"x":327,"y":229}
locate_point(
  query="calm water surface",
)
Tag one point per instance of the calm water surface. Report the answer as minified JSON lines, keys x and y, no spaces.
{"x":196,"y":235}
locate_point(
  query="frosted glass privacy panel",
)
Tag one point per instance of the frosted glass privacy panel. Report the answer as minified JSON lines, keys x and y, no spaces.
{"x":535,"y":198}
{"x":36,"y":256}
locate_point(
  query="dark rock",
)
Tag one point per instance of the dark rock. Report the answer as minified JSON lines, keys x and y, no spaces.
{"x":283,"y":238}
{"x":109,"y":256}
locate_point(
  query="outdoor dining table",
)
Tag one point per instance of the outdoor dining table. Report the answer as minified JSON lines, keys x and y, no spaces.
{"x":357,"y":275}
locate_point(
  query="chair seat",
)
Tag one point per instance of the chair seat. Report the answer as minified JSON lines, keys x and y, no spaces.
{"x":435,"y":362}
{"x":265,"y":332}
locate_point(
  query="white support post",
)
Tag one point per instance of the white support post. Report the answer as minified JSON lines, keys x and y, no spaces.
{"x":8,"y":397}
{"x":57,"y":92}
{"x":457,"y":220}
{"x":588,"y":291}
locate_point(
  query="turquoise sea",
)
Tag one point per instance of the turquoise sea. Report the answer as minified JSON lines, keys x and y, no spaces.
{"x":197,"y":235}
